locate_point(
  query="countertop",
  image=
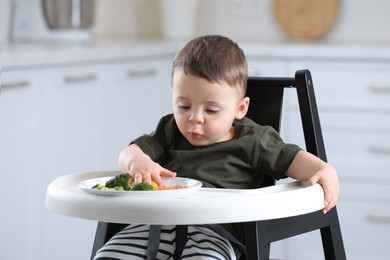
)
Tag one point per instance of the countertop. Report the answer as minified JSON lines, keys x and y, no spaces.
{"x":21,"y":55}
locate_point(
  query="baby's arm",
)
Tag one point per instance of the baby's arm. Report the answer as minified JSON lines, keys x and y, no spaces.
{"x":134,"y":161}
{"x":307,"y":167}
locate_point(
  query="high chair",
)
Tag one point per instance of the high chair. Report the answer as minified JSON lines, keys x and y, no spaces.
{"x":266,"y":95}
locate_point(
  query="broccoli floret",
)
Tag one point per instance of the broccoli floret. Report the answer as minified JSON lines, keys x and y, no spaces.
{"x":121,"y":180}
{"x":98,"y":186}
{"x":143,"y":186}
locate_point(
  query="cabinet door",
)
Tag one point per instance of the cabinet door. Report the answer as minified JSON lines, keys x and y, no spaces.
{"x":71,"y":116}
{"x":20,"y":163}
{"x":365,"y":220}
{"x":353,"y":103}
{"x":134,"y":96}
{"x":352,"y":86}
{"x":263,"y":67}
{"x":70,"y":144}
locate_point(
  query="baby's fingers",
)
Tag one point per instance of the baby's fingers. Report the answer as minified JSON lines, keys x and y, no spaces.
{"x":167,"y":173}
{"x":163,"y":173}
{"x":140,"y":177}
{"x":137,"y":178}
{"x":330,"y":196}
{"x":330,"y":201}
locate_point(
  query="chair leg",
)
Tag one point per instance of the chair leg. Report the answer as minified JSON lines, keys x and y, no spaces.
{"x":181,"y":239}
{"x":257,"y":240}
{"x":104,"y":232}
{"x":332,"y":240}
{"x":100,"y":237}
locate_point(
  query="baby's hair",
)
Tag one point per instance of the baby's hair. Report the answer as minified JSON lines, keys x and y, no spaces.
{"x":215,"y":58}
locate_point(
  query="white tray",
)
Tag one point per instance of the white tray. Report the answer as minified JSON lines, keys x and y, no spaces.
{"x":206,"y":206}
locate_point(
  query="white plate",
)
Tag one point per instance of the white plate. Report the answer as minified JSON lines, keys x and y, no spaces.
{"x":192,"y":186}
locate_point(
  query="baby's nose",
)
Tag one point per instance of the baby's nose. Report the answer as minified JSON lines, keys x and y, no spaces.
{"x":197,"y":117}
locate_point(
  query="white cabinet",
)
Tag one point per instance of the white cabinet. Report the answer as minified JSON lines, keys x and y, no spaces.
{"x":70,"y":143}
{"x":72,"y":117}
{"x":91,"y":113}
{"x":266,"y":67}
{"x":365,"y":218}
{"x":353,"y":102}
{"x":20,"y":163}
{"x":133,"y":97}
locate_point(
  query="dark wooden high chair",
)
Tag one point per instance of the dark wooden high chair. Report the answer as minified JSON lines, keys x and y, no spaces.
{"x":266,"y":96}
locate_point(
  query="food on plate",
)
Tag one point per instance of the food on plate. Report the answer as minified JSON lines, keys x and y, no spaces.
{"x":143,"y":186}
{"x":122,"y":182}
{"x":104,"y":187}
{"x":175,"y":187}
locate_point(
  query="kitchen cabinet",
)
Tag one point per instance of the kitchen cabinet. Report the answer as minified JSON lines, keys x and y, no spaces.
{"x":70,"y":143}
{"x":133,"y":97}
{"x":20,"y":164}
{"x":57,"y":119}
{"x":353,"y":101}
{"x":70,"y":119}
{"x":91,"y":114}
{"x":266,"y":67}
{"x":353,"y":91}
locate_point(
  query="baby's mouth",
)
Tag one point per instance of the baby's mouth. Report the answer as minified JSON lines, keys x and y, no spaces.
{"x":195,"y":135}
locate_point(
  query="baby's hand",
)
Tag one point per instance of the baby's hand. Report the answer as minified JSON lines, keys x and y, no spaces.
{"x":327,"y":178}
{"x":143,"y":169}
{"x":153,"y":174}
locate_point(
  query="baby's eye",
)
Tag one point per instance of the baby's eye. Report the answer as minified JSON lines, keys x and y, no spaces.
{"x":183,"y":106}
{"x":212,"y":110}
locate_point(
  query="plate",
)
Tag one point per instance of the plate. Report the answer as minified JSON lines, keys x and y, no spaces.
{"x":192,"y":187}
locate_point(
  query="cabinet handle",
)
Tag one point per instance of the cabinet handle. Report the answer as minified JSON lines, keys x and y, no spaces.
{"x":141,"y":73}
{"x":79,"y":79}
{"x":17,"y":84}
{"x":379,"y":149}
{"x":378,"y":218}
{"x":379,"y":89}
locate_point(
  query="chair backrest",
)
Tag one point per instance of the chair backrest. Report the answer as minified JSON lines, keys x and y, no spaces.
{"x":266,"y":102}
{"x":266,"y":94}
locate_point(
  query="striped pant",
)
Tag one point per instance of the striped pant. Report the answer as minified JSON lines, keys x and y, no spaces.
{"x":132,"y":243}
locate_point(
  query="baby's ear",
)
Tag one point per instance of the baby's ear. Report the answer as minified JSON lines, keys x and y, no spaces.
{"x":242,"y":108}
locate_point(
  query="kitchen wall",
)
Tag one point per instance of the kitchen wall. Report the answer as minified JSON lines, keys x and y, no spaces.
{"x":359,"y":21}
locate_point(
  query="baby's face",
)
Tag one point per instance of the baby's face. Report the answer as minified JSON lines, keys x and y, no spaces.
{"x":204,"y":112}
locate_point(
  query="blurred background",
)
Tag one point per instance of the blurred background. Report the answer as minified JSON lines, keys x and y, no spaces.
{"x":81,"y":78}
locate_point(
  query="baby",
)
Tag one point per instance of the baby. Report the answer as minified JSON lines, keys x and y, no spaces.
{"x":208,"y":138}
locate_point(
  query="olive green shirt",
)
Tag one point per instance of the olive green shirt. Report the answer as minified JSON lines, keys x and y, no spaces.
{"x":239,"y":163}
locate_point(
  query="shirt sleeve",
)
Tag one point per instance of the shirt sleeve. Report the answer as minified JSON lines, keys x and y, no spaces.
{"x":156,"y":143}
{"x":274,"y":156}
{"x":149,"y":146}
